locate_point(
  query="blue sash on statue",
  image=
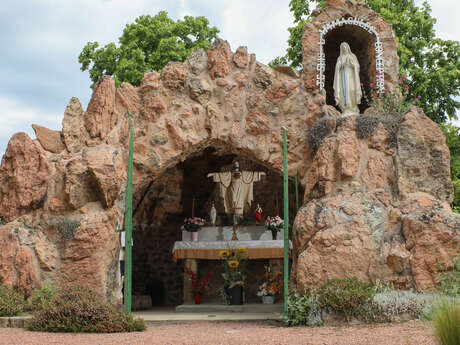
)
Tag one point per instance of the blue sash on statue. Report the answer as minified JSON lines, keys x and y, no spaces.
{"x":345,"y":93}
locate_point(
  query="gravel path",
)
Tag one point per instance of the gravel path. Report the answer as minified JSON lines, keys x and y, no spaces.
{"x":234,"y":333}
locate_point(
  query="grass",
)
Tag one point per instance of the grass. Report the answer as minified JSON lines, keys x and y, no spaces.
{"x":446,"y":320}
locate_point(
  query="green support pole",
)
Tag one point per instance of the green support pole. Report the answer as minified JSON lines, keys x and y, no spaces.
{"x":286,"y":222}
{"x":129,"y":224}
{"x":296,"y":194}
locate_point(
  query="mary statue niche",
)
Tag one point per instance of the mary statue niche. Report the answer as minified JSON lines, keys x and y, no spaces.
{"x":347,"y":87}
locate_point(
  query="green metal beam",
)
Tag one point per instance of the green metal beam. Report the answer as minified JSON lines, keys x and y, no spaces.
{"x":129,"y":223}
{"x":296,"y":193}
{"x":286,"y":222}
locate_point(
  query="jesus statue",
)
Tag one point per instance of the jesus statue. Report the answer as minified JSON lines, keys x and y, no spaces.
{"x":236,"y":188}
{"x":347,"y":87}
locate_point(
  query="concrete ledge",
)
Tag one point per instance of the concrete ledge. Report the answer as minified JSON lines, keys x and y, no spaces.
{"x":222,"y":308}
{"x":14,"y":321}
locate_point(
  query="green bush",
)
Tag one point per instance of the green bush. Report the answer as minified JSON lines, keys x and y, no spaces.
{"x":449,"y":277}
{"x":344,"y":295}
{"x":79,"y":309}
{"x":42,"y":297}
{"x":446,"y":319}
{"x":11,"y":302}
{"x":390,"y":306}
{"x":303,"y":310}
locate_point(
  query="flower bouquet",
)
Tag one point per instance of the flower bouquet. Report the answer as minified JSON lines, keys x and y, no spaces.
{"x":199,"y":288}
{"x":234,"y":275}
{"x":192,"y":224}
{"x":274,"y":224}
{"x":271,"y":286}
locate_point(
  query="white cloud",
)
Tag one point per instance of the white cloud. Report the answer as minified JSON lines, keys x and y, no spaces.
{"x":446,"y":12}
{"x":259,"y":25}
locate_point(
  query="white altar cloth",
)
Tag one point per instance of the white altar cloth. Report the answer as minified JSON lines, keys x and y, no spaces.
{"x":272,"y":249}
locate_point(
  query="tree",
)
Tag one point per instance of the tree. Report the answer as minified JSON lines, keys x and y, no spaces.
{"x":148,"y":44}
{"x":453,"y":143}
{"x":432,"y":65}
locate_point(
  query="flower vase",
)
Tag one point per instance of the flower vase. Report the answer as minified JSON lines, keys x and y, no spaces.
{"x":274,"y":234}
{"x":197,"y":298}
{"x":236,"y":295}
{"x":194,"y":236}
{"x":268,"y":299}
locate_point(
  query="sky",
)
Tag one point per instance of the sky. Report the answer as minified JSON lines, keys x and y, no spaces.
{"x":41,"y":41}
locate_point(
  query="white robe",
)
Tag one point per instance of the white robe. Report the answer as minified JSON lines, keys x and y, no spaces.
{"x":347,"y":86}
{"x":236,"y":192}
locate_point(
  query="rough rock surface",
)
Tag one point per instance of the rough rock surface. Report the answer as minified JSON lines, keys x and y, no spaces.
{"x":73,"y":126}
{"x":99,"y":117}
{"x":375,"y":205}
{"x":423,"y":157}
{"x":25,"y":172}
{"x":50,"y":140}
{"x":366,"y":217}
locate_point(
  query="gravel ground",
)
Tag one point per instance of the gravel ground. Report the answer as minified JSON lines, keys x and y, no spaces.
{"x":233,"y":333}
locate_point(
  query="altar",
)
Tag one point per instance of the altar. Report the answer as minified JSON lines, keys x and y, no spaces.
{"x":212,"y":239}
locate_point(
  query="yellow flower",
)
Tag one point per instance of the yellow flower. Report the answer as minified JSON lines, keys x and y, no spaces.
{"x":242,"y":250}
{"x":224,"y":253}
{"x":233,"y":264}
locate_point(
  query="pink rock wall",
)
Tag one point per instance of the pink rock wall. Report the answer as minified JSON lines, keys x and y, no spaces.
{"x":372,"y":204}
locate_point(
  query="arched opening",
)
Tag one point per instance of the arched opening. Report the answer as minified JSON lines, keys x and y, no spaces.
{"x":362,"y":45}
{"x":159,"y":211}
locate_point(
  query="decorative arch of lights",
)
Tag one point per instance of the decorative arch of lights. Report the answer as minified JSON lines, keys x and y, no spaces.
{"x":379,"y":63}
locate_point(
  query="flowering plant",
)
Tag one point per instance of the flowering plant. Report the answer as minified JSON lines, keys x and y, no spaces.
{"x":197,"y":286}
{"x":192,"y":224}
{"x":272,"y":284}
{"x":391,"y":101}
{"x":234,"y":264}
{"x":274,"y":223}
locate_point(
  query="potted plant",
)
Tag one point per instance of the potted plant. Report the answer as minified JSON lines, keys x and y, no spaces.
{"x":274,"y":224}
{"x":199,"y":288}
{"x":270,"y":287}
{"x":234,"y":275}
{"x":193,"y":225}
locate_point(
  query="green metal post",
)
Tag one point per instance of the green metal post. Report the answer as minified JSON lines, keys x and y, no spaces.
{"x":129,"y":223}
{"x":296,"y":194}
{"x":286,"y":222}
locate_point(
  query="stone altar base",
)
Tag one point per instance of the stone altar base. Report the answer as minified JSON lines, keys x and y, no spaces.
{"x":222,"y":308}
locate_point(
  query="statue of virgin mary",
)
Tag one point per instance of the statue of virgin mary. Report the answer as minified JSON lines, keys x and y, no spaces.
{"x":347,"y":87}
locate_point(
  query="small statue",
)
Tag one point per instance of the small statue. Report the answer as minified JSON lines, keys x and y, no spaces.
{"x":347,"y":87}
{"x":213,"y":214}
{"x":236,"y":188}
{"x":258,"y":214}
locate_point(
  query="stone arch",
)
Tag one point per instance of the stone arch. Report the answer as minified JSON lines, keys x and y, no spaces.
{"x":161,"y":205}
{"x":364,"y":43}
{"x":361,"y":36}
{"x":338,"y":15}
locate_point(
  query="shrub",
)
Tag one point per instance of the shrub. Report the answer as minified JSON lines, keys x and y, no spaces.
{"x":449,"y":277}
{"x":67,"y":227}
{"x":446,"y":319}
{"x":11,"y":302}
{"x":79,"y":309}
{"x":366,"y":125}
{"x":344,"y":295}
{"x":317,"y":133}
{"x":303,"y":310}
{"x":390,"y":306}
{"x":42,"y":297}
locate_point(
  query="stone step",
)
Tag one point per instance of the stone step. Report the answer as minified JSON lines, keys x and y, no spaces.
{"x":14,"y":321}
